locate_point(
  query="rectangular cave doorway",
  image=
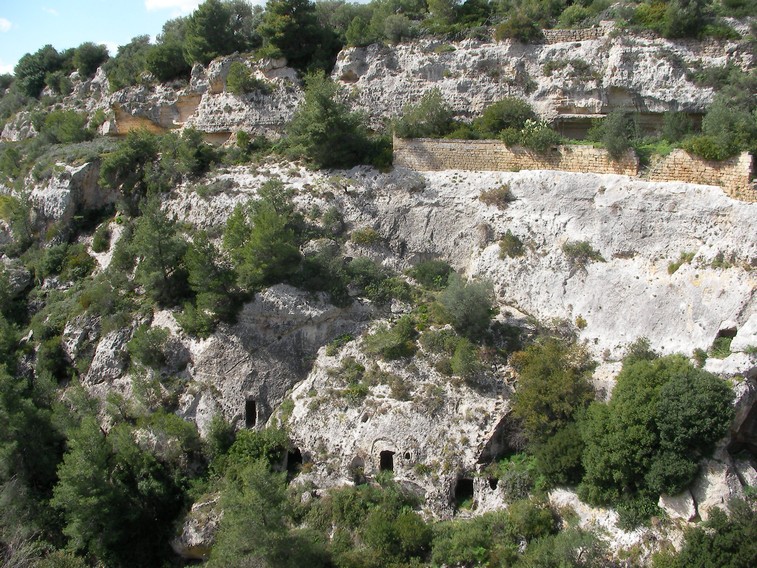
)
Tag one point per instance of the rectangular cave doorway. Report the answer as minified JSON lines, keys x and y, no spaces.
{"x":464,"y":493}
{"x":250,"y":413}
{"x":386,"y":461}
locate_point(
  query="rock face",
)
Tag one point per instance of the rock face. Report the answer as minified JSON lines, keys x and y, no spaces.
{"x":570,"y":77}
{"x":198,"y":530}
{"x":429,"y":431}
{"x":72,"y":191}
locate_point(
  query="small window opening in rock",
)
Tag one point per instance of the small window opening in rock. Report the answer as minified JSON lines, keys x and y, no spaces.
{"x":294,"y":461}
{"x":250,"y":413}
{"x":386,"y":461}
{"x":407,"y":455}
{"x":730,"y":332}
{"x":464,"y":493}
{"x":493,"y":482}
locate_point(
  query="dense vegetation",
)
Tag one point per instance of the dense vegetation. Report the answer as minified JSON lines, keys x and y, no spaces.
{"x":90,"y":482}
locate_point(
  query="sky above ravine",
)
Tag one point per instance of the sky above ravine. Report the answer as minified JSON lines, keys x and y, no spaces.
{"x":27,"y":25}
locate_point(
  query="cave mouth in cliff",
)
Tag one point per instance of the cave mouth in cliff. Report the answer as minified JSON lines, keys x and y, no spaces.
{"x":493,"y":482}
{"x":745,"y":439}
{"x":464,"y":493}
{"x":294,"y":461}
{"x":250,"y":413}
{"x":386,"y":461}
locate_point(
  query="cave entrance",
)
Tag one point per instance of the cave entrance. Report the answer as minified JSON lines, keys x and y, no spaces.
{"x":250,"y":413}
{"x":493,"y":483}
{"x":386,"y":461}
{"x":294,"y":461}
{"x":464,"y":493}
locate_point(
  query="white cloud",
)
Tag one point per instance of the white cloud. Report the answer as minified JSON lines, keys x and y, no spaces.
{"x":51,"y":11}
{"x":5,"y":25}
{"x":178,"y":6}
{"x":111,"y":45}
{"x":5,"y":68}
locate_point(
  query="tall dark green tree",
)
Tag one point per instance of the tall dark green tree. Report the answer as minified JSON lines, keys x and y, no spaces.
{"x":324,"y":131}
{"x":208,"y":33}
{"x":31,"y":69}
{"x":291,"y":27}
{"x":160,"y":250}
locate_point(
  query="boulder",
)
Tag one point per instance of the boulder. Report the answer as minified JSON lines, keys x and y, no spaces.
{"x":679,"y":506}
{"x":715,"y":486}
{"x":198,"y":530}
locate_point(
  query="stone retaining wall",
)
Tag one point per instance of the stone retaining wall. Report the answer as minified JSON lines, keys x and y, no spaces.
{"x":733,"y":175}
{"x":425,"y":154}
{"x":491,"y":155}
{"x":583,"y":34}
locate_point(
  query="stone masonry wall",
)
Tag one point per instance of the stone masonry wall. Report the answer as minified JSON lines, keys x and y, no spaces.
{"x":733,"y":175}
{"x":492,"y":155}
{"x":425,"y":154}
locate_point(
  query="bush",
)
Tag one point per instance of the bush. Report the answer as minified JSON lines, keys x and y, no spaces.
{"x":240,"y":81}
{"x":510,"y":112}
{"x":166,"y":61}
{"x":367,"y":236}
{"x":581,"y":253}
{"x":66,"y":127}
{"x":518,"y":27}
{"x":616,"y":132}
{"x":499,"y":197}
{"x":430,"y":118}
{"x":88,"y":57}
{"x":708,"y":147}
{"x":685,"y":258}
{"x":393,"y":342}
{"x":147,"y":346}
{"x":464,"y":362}
{"x":511,"y":246}
{"x":538,"y":136}
{"x":431,"y":274}
{"x":468,"y":306}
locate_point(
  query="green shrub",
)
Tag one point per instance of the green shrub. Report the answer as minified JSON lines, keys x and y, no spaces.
{"x":66,"y":127}
{"x":464,"y":362}
{"x":538,"y":136}
{"x":574,"y":16}
{"x":468,"y":306}
{"x":685,"y":258}
{"x":431,"y":117}
{"x":240,"y":81}
{"x":88,"y":57}
{"x":147,"y":346}
{"x":393,"y":342}
{"x":335,"y":345}
{"x":581,"y":253}
{"x":440,"y":341}
{"x":367,"y":236}
{"x":499,"y":197}
{"x":721,"y":347}
{"x":510,"y":112}
{"x":518,"y":27}
{"x":431,"y":274}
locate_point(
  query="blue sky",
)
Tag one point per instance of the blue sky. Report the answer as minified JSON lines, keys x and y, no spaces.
{"x":27,"y":25}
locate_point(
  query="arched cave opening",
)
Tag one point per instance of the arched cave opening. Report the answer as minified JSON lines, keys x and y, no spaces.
{"x":386,"y":461}
{"x":250,"y":413}
{"x":493,"y":483}
{"x":464,"y":493}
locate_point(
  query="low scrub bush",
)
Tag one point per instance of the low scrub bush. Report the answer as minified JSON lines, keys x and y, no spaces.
{"x":431,"y":274}
{"x":580,"y":253}
{"x":499,"y":197}
{"x":511,"y":246}
{"x":367,"y":236}
{"x":431,"y":117}
{"x":147,"y":346}
{"x":685,"y":258}
{"x":519,"y":27}
{"x":393,"y":342}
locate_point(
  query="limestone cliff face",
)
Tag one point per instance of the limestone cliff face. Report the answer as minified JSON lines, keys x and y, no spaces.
{"x":574,"y":77}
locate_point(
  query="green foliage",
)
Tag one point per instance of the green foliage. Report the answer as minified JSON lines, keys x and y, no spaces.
{"x":166,"y":61}
{"x":431,"y":274}
{"x":520,"y":28}
{"x":125,"y":168}
{"x":147,"y":346}
{"x":160,"y":251}
{"x":290,"y":27}
{"x":468,"y":306}
{"x":393,"y":342}
{"x":581,"y":253}
{"x":101,"y":238}
{"x":240,"y":81}
{"x":499,"y":197}
{"x":31,"y":69}
{"x":511,"y":246}
{"x":66,"y":127}
{"x":127,"y":66}
{"x":728,"y":541}
{"x":684,"y":258}
{"x":509,"y":112}
{"x":325,"y":132}
{"x":464,"y":362}
{"x":572,"y":547}
{"x":262,"y":244}
{"x":366,"y":236}
{"x":88,"y":57}
{"x":431,"y":117}
{"x":616,"y":132}
{"x":721,"y":347}
{"x":558,"y":458}
{"x":337,"y":343}
{"x":663,"y":416}
{"x":553,"y":388}
{"x":118,"y":500}
{"x":207,"y":33}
